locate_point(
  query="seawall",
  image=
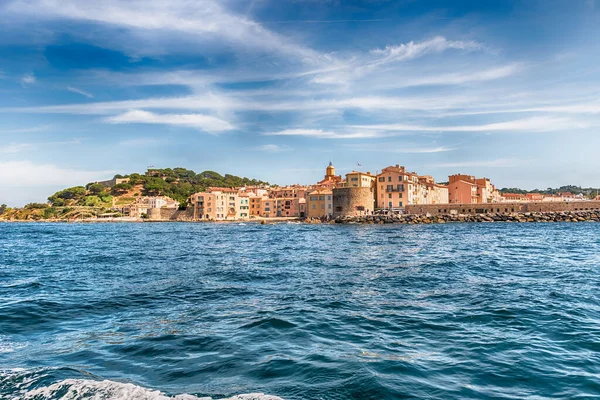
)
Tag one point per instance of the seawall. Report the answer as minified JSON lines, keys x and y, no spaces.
{"x":487,"y":208}
{"x":565,"y":216}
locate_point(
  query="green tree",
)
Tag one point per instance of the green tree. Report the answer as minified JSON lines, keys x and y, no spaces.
{"x":67,"y":195}
{"x":96,"y":188}
{"x":36,"y":206}
{"x":120,"y":189}
{"x":3,"y":208}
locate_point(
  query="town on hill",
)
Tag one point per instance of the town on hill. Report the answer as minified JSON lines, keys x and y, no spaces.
{"x":209,"y":196}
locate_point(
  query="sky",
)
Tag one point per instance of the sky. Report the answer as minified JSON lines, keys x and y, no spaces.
{"x":275,"y":89}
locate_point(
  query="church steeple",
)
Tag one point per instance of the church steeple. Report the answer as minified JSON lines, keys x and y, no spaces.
{"x":330,"y":171}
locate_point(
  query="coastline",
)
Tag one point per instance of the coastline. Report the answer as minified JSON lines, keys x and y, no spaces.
{"x":402,"y":219}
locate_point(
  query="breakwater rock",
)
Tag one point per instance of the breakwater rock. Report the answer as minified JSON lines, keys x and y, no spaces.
{"x":566,"y":216}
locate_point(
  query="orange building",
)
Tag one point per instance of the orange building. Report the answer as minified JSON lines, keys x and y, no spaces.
{"x":319,"y":203}
{"x":462,"y":189}
{"x":396,"y":187}
{"x":466,"y":189}
{"x":331,"y":180}
{"x":514,"y":197}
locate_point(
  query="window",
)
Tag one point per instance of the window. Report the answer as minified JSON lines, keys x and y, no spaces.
{"x":400,"y":195}
{"x":322,"y":206}
{"x":389,"y":196}
{"x":314,"y":206}
{"x":321,"y":197}
{"x":328,"y":197}
{"x":382,"y":179}
{"x":389,"y":178}
{"x":354,"y":179}
{"x":390,"y":204}
{"x":329,"y":205}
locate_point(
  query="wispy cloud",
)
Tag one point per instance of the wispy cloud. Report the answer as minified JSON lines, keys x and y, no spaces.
{"x":28,"y":174}
{"x":397,"y":148}
{"x":321,"y":134}
{"x":200,"y":121}
{"x":462,"y":77}
{"x":80,"y":91}
{"x":206,"y":20}
{"x":273,"y":148}
{"x":28,"y":79}
{"x":412,"y":50}
{"x":12,"y":148}
{"x":534,"y":124}
{"x":500,"y":162}
{"x":32,"y":129}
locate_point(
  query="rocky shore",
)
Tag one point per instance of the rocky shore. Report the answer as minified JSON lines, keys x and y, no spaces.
{"x":566,"y":216}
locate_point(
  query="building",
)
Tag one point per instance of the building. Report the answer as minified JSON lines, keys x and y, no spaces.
{"x":353,"y":201}
{"x":433,"y":193}
{"x":331,"y":180}
{"x":319,"y":203}
{"x":514,"y":198}
{"x":396,"y":188}
{"x":467,"y":189}
{"x":112,"y":182}
{"x":143,"y":205}
{"x":162,"y":202}
{"x":486,"y":191}
{"x":360,"y":179}
{"x":219,"y":204}
{"x":534,"y":197}
{"x":462,"y":189}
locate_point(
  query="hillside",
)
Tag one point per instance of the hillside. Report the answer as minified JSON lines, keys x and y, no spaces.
{"x":96,"y":198}
{"x":588,"y":192}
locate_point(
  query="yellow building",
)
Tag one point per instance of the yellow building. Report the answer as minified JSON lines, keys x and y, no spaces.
{"x":360,"y":179}
{"x":320,"y":203}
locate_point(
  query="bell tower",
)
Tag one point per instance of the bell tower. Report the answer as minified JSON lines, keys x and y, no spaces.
{"x":330,"y":170}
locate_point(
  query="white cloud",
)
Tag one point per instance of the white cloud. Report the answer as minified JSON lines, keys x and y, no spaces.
{"x":534,"y":124}
{"x":500,"y":162}
{"x":80,"y":91}
{"x":33,"y":129}
{"x":28,"y":79}
{"x":205,"y":19}
{"x":411,"y":50}
{"x":273,"y":148}
{"x":461,"y":78}
{"x":12,"y":148}
{"x":203,"y":122}
{"x":321,"y":134}
{"x":29,"y":174}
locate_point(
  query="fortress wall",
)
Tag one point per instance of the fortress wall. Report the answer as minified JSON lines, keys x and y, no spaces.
{"x":487,"y":208}
{"x":353,"y":201}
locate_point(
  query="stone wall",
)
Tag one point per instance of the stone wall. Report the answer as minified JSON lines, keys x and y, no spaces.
{"x":353,"y":201}
{"x":487,"y":208}
{"x":169,"y":214}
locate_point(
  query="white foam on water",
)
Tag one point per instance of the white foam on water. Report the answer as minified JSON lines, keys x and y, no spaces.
{"x":75,"y":389}
{"x":6,"y":346}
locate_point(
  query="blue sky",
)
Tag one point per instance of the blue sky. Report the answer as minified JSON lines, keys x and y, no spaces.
{"x":275,"y":89}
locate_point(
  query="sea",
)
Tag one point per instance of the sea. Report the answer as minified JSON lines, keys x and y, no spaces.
{"x":295,"y":311}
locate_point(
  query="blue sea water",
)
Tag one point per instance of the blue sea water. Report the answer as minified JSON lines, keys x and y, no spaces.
{"x":149,"y":311}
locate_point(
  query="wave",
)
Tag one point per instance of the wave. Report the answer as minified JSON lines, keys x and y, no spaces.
{"x":75,"y":389}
